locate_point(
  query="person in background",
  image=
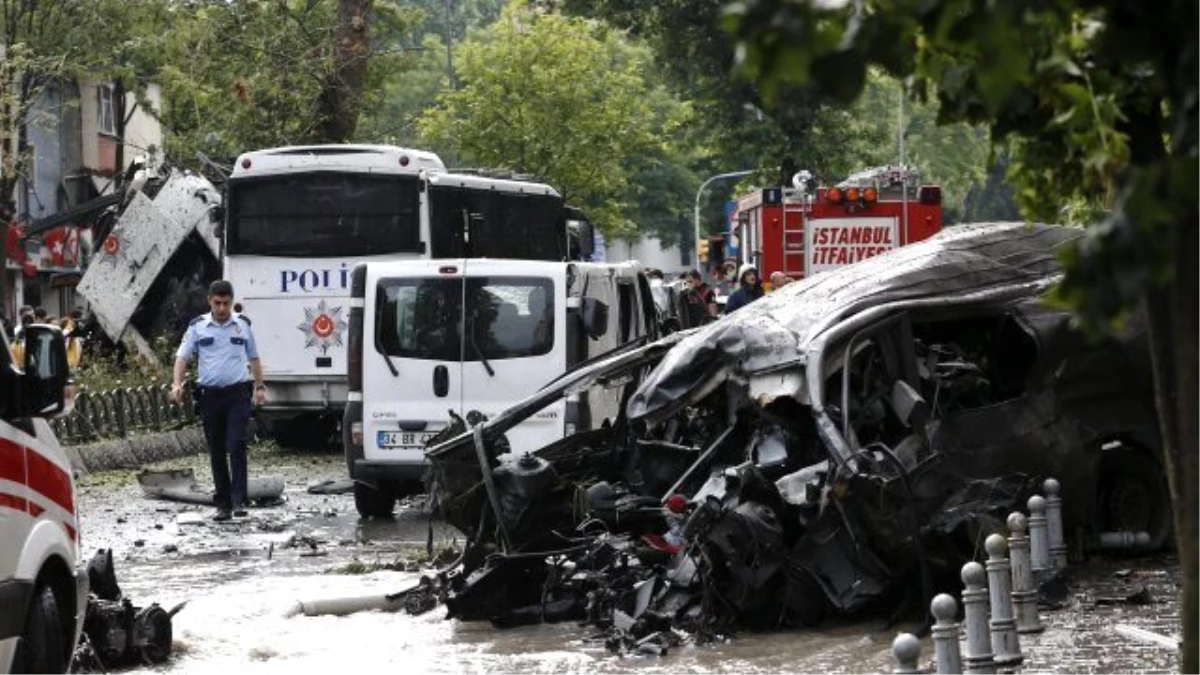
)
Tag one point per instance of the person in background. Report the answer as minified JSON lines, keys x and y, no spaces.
{"x":24,"y":318}
{"x":73,"y":343}
{"x":779,"y":280}
{"x":657,"y":291}
{"x":700,"y":300}
{"x":749,"y":289}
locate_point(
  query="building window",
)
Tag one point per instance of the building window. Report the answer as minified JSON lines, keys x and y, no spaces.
{"x":107,"y":114}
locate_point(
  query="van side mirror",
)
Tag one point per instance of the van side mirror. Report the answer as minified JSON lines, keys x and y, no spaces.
{"x":46,"y":373}
{"x":595,"y":317}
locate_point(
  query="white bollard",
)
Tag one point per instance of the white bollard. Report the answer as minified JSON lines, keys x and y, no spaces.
{"x":1039,"y":541}
{"x":945,"y":634}
{"x":907,"y":650}
{"x":978,"y":658}
{"x":1054,"y":525}
{"x":1024,"y":594}
{"x":1005,"y":644}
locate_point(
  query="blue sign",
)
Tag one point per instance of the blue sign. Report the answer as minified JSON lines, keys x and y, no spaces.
{"x":732,"y":249}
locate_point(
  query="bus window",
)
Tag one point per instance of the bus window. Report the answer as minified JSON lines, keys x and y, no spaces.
{"x":502,"y":224}
{"x":324,"y":213}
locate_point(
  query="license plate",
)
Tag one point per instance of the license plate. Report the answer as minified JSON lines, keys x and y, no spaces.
{"x":409,"y":440}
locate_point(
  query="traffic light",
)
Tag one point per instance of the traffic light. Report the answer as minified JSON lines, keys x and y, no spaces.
{"x":703,"y":250}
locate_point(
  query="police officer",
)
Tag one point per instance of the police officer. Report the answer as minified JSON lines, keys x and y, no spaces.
{"x":227,"y":356}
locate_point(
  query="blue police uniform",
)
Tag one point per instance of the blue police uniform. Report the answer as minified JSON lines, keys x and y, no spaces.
{"x":225,"y":391}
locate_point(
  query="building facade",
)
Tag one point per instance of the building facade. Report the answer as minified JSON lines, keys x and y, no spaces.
{"x":73,"y":133}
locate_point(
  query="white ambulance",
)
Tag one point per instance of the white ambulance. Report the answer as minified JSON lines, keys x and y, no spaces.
{"x":429,"y":338}
{"x":43,"y":585}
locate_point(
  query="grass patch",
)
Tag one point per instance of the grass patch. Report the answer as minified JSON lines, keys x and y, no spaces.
{"x":415,"y":561}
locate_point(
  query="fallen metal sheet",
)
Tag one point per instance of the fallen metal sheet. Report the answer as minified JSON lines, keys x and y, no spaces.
{"x":180,"y":485}
{"x":330,"y":486}
{"x":136,"y":253}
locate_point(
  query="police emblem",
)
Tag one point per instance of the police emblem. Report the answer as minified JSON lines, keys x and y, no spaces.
{"x":323,"y":327}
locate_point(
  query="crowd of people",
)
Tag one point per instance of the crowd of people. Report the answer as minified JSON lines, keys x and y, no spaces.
{"x":700,"y":298}
{"x":72,"y":326}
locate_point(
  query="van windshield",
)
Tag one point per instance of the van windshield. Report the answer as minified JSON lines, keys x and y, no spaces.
{"x":508,"y":318}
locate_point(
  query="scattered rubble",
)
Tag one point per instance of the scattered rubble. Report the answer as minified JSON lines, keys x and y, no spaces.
{"x":847,"y":442}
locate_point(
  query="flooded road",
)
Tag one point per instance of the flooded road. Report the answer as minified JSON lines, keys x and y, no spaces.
{"x":241,"y":579}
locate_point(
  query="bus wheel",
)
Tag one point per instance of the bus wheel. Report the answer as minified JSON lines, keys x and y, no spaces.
{"x":373,"y":503}
{"x":305,"y":432}
{"x":41,"y":647}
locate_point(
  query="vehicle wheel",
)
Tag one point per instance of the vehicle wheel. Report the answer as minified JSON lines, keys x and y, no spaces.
{"x":371,"y":502}
{"x":306,"y":432}
{"x":1133,"y":497}
{"x":41,"y":647}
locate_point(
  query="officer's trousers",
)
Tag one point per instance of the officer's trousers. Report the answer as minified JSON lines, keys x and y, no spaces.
{"x":225,"y":412}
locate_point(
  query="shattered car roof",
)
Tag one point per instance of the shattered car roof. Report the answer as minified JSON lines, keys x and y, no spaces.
{"x":960,"y":263}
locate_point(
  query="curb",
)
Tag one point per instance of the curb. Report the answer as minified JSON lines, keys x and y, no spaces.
{"x":135,"y":452}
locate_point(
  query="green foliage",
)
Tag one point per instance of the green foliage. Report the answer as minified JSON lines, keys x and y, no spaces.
{"x":566,"y":100}
{"x":737,"y":125}
{"x":99,"y":372}
{"x":241,"y":75}
{"x":1099,"y":99}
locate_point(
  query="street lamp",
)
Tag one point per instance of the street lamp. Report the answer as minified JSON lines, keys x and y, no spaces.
{"x":696,"y":217}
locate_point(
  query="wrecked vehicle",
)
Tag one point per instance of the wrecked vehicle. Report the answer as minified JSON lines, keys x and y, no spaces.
{"x":847,"y":441}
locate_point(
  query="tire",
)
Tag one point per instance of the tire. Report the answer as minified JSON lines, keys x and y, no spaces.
{"x":304,"y":432}
{"x":41,"y":649}
{"x":1133,"y":497}
{"x":373,"y":503}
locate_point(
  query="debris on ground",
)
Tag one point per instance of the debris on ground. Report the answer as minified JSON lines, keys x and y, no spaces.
{"x":846,"y":442}
{"x":180,"y":485}
{"x":330,"y":486}
{"x":116,"y":633}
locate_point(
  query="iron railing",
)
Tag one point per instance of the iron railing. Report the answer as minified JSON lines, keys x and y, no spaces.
{"x":122,"y":412}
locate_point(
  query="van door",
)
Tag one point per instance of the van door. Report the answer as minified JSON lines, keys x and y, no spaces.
{"x":412,"y":357}
{"x":516,"y":327}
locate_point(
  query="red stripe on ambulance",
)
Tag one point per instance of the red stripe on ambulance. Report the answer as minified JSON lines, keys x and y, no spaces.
{"x":20,"y":464}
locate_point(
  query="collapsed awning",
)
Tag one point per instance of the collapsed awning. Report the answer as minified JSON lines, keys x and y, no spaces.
{"x":82,"y":214}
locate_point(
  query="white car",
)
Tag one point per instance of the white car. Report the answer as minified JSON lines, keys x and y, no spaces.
{"x":527,"y":323}
{"x":43,"y":585}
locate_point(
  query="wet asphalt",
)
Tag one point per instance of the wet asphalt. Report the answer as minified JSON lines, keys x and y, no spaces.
{"x":241,"y":578}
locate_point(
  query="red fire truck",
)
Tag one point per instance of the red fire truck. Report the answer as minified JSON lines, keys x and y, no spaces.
{"x":806,"y":229}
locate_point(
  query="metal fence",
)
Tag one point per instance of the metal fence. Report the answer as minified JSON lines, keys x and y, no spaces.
{"x":119,"y":413}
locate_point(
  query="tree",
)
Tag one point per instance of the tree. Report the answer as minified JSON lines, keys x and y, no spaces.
{"x":1100,"y":101}
{"x":563,"y":99}
{"x":239,"y":75}
{"x":738,"y":127}
{"x":41,"y":42}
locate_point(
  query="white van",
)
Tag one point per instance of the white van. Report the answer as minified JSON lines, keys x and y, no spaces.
{"x":43,"y":585}
{"x":526,"y":323}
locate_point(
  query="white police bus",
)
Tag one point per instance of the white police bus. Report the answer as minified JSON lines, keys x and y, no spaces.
{"x":298,"y":219}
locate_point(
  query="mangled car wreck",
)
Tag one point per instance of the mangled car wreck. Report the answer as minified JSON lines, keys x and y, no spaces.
{"x":846,"y":442}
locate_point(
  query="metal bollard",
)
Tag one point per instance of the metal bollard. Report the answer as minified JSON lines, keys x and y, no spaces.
{"x":1054,"y":525}
{"x":945,"y":633}
{"x":1039,"y":541}
{"x":1024,"y":595}
{"x":1005,"y":644}
{"x":907,"y":650}
{"x":978,"y":658}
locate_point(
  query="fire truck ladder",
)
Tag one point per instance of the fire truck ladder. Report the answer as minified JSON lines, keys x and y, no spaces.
{"x":796,"y":207}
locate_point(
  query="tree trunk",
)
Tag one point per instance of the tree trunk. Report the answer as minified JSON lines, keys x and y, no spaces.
{"x":341,"y":98}
{"x":1174,"y":344}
